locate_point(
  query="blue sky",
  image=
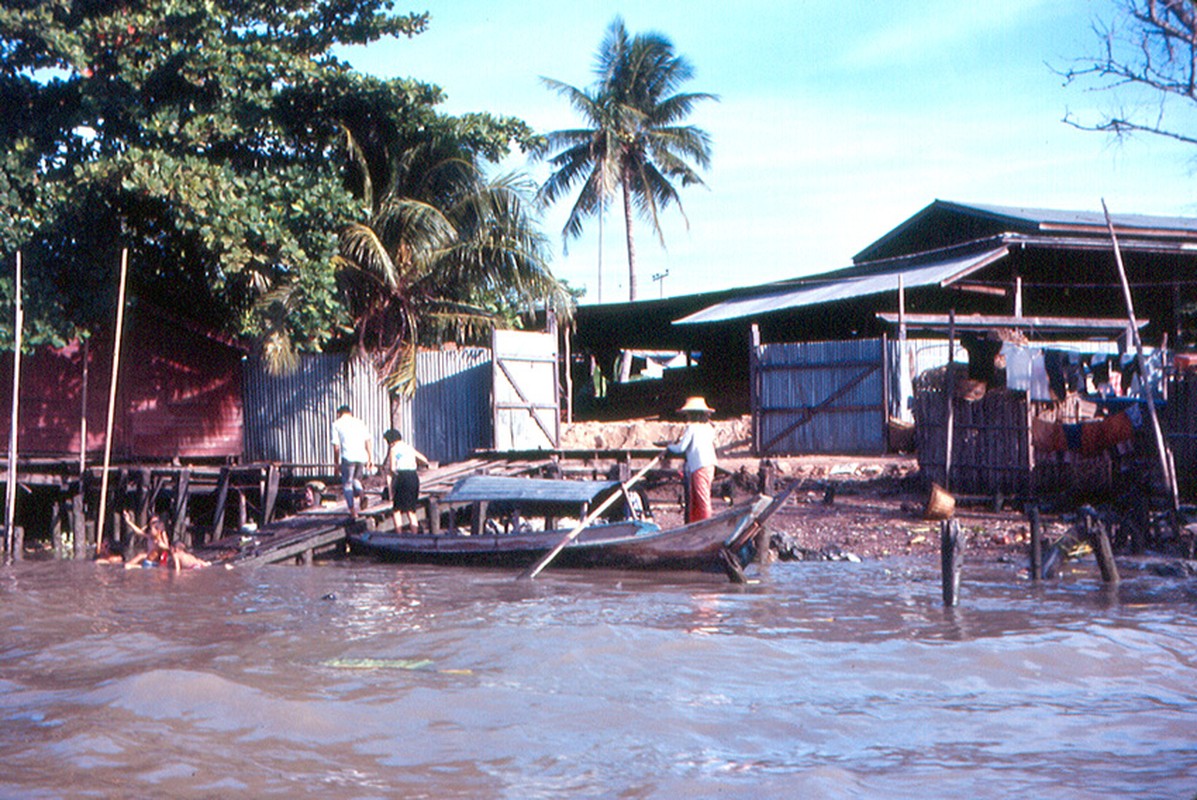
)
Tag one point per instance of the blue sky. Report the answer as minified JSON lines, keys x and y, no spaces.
{"x":836,"y":121}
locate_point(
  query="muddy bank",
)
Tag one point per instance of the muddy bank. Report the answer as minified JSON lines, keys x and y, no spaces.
{"x":844,"y":507}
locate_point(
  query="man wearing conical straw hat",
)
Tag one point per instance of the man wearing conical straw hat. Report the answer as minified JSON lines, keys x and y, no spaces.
{"x":698,"y":446}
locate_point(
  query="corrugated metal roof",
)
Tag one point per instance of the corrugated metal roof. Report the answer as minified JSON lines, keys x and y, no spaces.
{"x":945,"y":223}
{"x":1048,"y":219}
{"x":940,"y":272}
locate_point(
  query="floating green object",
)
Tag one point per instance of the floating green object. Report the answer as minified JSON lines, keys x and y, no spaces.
{"x":391,"y":663}
{"x":379,"y":663}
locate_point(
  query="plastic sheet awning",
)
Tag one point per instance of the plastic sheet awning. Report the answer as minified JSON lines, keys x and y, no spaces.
{"x":851,"y":285}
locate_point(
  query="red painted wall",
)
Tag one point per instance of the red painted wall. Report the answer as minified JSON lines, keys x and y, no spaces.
{"x":179,"y":394}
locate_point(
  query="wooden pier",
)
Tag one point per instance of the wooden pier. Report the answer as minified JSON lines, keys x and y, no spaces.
{"x":254,"y":513}
{"x":324,"y":528}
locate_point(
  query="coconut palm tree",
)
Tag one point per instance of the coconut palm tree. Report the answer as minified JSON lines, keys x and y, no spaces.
{"x":446,"y":253}
{"x":633,"y":141}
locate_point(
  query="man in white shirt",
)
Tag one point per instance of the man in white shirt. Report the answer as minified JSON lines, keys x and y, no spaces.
{"x":354,"y":453}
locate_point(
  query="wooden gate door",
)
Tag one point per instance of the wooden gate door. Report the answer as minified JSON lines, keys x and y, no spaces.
{"x":819,"y":397}
{"x":527,"y":410}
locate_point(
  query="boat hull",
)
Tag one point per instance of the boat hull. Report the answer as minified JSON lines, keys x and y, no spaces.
{"x":621,"y":545}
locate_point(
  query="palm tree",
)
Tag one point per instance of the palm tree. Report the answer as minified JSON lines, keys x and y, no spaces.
{"x":632,"y":140}
{"x":446,"y":252}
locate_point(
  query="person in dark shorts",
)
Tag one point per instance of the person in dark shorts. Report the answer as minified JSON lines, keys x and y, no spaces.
{"x":402,"y":463}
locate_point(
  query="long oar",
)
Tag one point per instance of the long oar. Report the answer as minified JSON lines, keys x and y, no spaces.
{"x":535,"y":569}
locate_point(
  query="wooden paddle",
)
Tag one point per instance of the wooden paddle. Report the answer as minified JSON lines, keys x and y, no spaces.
{"x":535,"y":569}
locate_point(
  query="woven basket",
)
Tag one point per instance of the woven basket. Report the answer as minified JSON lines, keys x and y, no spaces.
{"x":940,"y":504}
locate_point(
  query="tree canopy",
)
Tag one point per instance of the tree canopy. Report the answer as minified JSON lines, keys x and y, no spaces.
{"x":446,"y":252}
{"x":221,"y":141}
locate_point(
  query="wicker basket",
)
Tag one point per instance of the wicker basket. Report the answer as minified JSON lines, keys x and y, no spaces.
{"x":940,"y":504}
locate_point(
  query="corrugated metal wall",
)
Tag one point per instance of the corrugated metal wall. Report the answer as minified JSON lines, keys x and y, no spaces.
{"x":289,"y":418}
{"x":819,"y":397}
{"x":450,"y":414}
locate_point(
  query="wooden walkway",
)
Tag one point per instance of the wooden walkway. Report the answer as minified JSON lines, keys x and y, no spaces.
{"x":301,"y":536}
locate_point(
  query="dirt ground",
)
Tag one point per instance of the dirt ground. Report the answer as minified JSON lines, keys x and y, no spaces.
{"x":843,"y":507}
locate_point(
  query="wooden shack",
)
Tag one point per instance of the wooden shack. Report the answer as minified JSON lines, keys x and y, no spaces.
{"x":179,"y":394}
{"x":1006,"y":442}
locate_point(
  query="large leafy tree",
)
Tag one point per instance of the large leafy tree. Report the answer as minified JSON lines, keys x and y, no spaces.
{"x":207,"y":136}
{"x":446,"y":252}
{"x":633,"y":142}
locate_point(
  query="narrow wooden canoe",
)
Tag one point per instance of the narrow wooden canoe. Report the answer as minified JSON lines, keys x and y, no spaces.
{"x":627,"y":544}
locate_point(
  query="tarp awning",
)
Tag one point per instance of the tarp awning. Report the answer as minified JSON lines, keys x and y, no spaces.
{"x":816,"y":291}
{"x":497,"y":488}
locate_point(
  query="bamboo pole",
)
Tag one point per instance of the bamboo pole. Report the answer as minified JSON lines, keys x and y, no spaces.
{"x":116,"y":361}
{"x":1161,"y":445}
{"x":83,"y":409}
{"x":10,"y":500}
{"x":949,"y":389}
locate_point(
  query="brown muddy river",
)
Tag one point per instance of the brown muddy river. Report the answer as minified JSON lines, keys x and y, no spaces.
{"x":823,"y":680}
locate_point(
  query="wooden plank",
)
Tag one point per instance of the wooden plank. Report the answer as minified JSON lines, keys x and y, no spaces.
{"x":939,"y":322}
{"x":272,"y":553}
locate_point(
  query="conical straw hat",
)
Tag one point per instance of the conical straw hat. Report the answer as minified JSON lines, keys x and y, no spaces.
{"x":696,"y":404}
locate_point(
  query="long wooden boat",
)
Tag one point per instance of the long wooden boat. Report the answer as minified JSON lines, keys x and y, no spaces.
{"x":631,"y":542}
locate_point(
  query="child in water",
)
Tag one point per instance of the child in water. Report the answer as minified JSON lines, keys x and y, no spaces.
{"x":160,"y":552}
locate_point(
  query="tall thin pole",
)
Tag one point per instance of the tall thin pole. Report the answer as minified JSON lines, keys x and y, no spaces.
{"x":949,"y":390}
{"x":83,"y":412}
{"x":1161,"y":445}
{"x":10,"y":499}
{"x":116,"y":362}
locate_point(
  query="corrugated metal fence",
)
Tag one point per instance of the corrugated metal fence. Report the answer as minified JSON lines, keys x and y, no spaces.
{"x":450,"y":413}
{"x":819,"y":397}
{"x":288,"y":418}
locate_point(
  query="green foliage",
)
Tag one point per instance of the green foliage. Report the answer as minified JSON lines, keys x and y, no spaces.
{"x":207,"y":137}
{"x":446,"y":253}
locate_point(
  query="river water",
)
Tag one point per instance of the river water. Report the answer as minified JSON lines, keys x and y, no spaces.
{"x":822,"y":680}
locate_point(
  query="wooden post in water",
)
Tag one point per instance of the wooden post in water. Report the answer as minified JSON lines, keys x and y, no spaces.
{"x":1036,"y":543}
{"x":1095,"y":533}
{"x":222,"y":498}
{"x":951,"y":553}
{"x":179,"y":512}
{"x":79,"y":518}
{"x":56,"y":513}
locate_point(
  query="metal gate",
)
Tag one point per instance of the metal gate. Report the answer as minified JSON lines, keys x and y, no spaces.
{"x":819,"y":397}
{"x":526,"y":397}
